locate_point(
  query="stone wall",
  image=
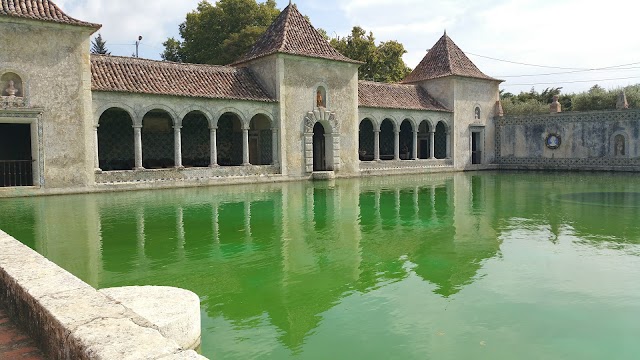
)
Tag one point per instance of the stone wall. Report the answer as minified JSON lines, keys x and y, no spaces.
{"x":598,"y":140}
{"x":52,"y":61}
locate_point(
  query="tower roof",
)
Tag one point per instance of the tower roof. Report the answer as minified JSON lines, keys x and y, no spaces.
{"x":43,"y":10}
{"x":445,"y":59}
{"x":292,"y":33}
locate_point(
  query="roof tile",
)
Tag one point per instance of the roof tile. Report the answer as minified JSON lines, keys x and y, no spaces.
{"x":43,"y":10}
{"x":133,"y":75}
{"x":445,"y":59}
{"x":292,"y":33}
{"x":396,"y":96}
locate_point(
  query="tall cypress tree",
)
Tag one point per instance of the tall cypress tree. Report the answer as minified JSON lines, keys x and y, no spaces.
{"x":99,"y":46}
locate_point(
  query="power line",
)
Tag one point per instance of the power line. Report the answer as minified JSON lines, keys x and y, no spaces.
{"x":569,"y":72}
{"x":572,"y":82}
{"x":526,"y":64}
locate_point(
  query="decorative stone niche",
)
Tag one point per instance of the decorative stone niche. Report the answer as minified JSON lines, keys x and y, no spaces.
{"x":12,"y":92}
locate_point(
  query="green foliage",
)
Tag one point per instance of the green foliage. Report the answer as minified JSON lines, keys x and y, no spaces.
{"x":99,"y":46}
{"x":382,"y":63}
{"x":530,"y":106}
{"x":221,"y":33}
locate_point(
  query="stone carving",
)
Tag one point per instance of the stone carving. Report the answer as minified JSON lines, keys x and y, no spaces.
{"x":622,"y":103}
{"x":319,"y":99}
{"x":619,"y":145}
{"x":11,"y":89}
{"x":555,"y":106}
{"x":477,"y":113}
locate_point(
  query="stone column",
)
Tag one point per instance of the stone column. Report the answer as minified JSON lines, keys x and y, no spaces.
{"x":432,"y":144}
{"x":245,"y":147}
{"x":96,"y":159}
{"x":414,"y":155}
{"x":177,"y":142}
{"x":137,"y":139}
{"x":376,"y":145}
{"x":396,"y":145}
{"x":213,"y":161}
{"x":274,"y":146}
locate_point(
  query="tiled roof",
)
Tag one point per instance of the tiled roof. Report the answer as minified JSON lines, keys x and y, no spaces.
{"x":445,"y":59}
{"x":396,"y":96}
{"x":43,"y":10}
{"x":133,"y":75}
{"x":292,"y":33}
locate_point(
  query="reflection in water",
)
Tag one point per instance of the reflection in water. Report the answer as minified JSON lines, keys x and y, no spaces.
{"x":375,"y":268}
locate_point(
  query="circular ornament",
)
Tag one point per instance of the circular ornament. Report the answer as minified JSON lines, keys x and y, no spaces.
{"x":553,"y":141}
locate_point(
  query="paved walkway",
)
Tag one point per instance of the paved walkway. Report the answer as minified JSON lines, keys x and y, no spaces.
{"x":14,"y":343}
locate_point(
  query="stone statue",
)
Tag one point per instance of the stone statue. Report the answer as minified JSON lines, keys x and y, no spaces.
{"x":619,"y":143}
{"x":319,"y":100}
{"x":11,"y":90}
{"x":555,"y":106}
{"x":622,"y":103}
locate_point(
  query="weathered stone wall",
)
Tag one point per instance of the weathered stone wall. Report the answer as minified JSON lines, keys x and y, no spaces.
{"x":587,"y":141}
{"x":53,"y":63}
{"x":301,"y":78}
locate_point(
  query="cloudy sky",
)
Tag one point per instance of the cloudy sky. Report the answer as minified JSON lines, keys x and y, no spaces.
{"x":573,"y":43}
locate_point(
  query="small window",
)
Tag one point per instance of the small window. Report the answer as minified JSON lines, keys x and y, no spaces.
{"x":477,"y":113}
{"x":321,"y":97}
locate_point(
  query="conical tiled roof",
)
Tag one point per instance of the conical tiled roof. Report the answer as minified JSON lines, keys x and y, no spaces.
{"x":445,"y":59}
{"x":292,"y":33}
{"x":43,"y":10}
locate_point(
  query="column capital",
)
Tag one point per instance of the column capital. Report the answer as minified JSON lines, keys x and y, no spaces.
{"x":213,"y":128}
{"x":177,"y":127}
{"x":136,"y":126}
{"x":376,"y":131}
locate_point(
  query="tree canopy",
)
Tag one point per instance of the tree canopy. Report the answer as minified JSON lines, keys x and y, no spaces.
{"x":221,"y":33}
{"x":382,"y":63}
{"x":99,"y":46}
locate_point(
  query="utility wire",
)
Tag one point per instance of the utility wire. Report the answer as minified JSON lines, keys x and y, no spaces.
{"x":569,"y":72}
{"x":571,"y":82}
{"x":527,"y":64}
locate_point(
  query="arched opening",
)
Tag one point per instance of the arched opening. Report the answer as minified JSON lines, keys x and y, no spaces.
{"x":157,"y":140}
{"x":387,"y":141}
{"x":321,"y":97}
{"x":319,"y":148}
{"x":11,"y":85}
{"x":196,"y":147}
{"x":366,"y":141}
{"x":441,"y":141}
{"x":406,"y":140}
{"x":619,"y":146}
{"x":424,"y":138}
{"x":477,"y":113}
{"x":115,"y":140}
{"x":229,"y":140}
{"x":260,"y":141}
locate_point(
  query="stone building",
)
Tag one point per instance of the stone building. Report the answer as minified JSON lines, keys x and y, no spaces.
{"x":291,"y":108}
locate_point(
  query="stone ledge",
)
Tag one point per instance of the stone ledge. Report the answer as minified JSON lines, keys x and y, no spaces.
{"x":69,"y":318}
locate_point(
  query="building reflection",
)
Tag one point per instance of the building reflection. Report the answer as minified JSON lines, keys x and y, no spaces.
{"x":291,"y":252}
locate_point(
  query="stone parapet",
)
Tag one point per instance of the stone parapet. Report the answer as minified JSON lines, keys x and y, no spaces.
{"x":69,"y":318}
{"x":177,"y":174}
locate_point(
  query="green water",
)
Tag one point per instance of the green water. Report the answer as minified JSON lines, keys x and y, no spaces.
{"x":464,"y":266}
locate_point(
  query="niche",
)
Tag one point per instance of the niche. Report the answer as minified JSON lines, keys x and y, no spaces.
{"x":11,"y":85}
{"x":619,"y":146}
{"x":477,"y":113}
{"x":321,"y":97}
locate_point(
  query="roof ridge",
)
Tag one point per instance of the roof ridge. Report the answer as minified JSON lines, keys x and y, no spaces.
{"x":161,"y":62}
{"x":286,"y":27}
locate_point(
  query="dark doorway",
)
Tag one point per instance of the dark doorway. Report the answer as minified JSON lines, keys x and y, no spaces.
{"x":16,"y":165}
{"x":319,"y":153}
{"x":476,"y":149}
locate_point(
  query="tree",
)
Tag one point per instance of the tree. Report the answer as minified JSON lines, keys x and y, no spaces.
{"x":382,"y":63}
{"x":221,"y":33}
{"x":99,"y":46}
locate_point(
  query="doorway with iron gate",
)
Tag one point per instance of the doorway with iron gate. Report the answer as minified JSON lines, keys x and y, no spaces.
{"x":16,"y":160}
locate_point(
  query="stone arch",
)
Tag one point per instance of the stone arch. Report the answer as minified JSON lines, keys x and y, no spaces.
{"x":115,"y":139}
{"x":260,"y":140}
{"x":425,"y":128}
{"x":332,"y":142}
{"x":172,"y":114}
{"x":229,"y":138}
{"x":441,"y":140}
{"x":388,"y":128}
{"x":619,"y":144}
{"x":366,"y":140}
{"x":100,"y":110}
{"x":407,"y":127}
{"x":189,"y":109}
{"x":231,"y":110}
{"x":196,"y":145}
{"x":158,"y":139}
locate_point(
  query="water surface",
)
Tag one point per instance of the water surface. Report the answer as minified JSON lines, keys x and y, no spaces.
{"x":462,"y":266}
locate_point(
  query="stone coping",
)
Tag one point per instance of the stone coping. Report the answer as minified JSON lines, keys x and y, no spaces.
{"x":70,"y":319}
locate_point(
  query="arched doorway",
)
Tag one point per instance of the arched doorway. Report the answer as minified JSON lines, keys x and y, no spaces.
{"x":366,"y":141}
{"x":424,"y":139}
{"x":196,"y":147}
{"x":157,"y":140}
{"x":260,"y":141}
{"x":387,"y":141}
{"x":441,"y":141}
{"x":115,"y":140}
{"x":229,"y":140}
{"x":406,"y":140}
{"x":319,"y":148}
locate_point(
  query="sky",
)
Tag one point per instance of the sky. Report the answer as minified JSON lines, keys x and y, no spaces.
{"x":573,"y":44}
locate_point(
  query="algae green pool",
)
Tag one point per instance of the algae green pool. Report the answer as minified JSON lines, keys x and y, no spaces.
{"x":459,"y":266}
